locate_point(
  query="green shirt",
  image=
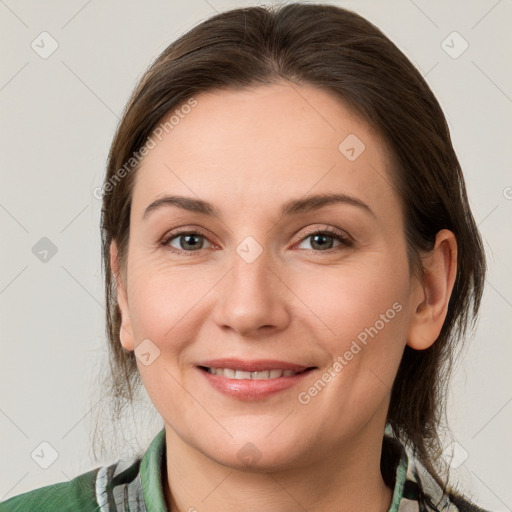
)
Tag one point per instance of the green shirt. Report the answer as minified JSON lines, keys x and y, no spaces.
{"x":137,"y":486}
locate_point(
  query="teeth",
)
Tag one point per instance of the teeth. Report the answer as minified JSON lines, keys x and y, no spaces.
{"x":240,"y":374}
{"x":260,"y":375}
{"x":228,"y":372}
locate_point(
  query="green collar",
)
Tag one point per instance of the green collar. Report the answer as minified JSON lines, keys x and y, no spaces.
{"x":400,"y":478}
{"x":151,"y":468}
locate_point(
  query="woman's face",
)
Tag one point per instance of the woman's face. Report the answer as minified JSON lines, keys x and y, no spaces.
{"x":258,"y":282}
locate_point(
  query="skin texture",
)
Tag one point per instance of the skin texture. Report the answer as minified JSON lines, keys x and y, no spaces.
{"x":248,"y":152}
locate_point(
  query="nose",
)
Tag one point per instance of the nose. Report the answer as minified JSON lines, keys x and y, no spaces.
{"x":254,"y":299}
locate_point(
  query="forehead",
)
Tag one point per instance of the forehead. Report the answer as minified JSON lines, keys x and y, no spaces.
{"x":263,"y":144}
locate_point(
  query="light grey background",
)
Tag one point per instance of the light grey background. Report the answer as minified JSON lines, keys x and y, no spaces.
{"x":58,"y":117}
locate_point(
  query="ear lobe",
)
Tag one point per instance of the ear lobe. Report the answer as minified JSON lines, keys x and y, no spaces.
{"x":430,"y":301}
{"x":125,"y":332}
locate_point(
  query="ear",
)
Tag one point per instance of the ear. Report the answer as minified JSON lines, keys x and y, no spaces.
{"x":430,"y":299}
{"x":125,"y":334}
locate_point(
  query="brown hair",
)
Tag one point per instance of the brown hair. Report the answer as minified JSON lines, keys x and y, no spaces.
{"x":341,"y":52}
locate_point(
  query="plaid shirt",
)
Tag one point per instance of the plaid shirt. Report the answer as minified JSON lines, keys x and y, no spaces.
{"x":136,"y":485}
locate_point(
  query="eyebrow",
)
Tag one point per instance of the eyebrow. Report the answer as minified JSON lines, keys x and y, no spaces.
{"x":292,"y":207}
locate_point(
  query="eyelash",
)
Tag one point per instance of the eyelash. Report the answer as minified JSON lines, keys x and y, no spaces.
{"x":345,"y":241}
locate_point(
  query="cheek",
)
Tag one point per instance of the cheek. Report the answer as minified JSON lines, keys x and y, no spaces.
{"x":361,"y":316}
{"x":350,"y":298}
{"x":162,"y":301}
{"x":164,"y":297}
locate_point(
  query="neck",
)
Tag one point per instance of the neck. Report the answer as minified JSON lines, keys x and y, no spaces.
{"x":347,"y":479}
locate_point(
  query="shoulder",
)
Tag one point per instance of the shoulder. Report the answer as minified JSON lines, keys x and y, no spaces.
{"x":416,"y":488}
{"x":101,"y":489}
{"x":127,"y":484}
{"x":77,"y":494}
{"x":433,"y":496}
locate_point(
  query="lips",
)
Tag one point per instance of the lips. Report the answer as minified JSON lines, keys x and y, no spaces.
{"x":252,"y":380}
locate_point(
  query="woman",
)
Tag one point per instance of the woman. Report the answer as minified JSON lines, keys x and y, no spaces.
{"x":290,"y":262}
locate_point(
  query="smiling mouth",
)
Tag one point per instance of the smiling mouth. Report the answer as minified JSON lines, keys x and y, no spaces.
{"x":233,"y":373}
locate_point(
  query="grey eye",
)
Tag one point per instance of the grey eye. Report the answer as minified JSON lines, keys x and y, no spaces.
{"x":187,"y":242}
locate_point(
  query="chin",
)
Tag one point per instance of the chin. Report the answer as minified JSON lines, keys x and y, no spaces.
{"x":256,"y":454}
